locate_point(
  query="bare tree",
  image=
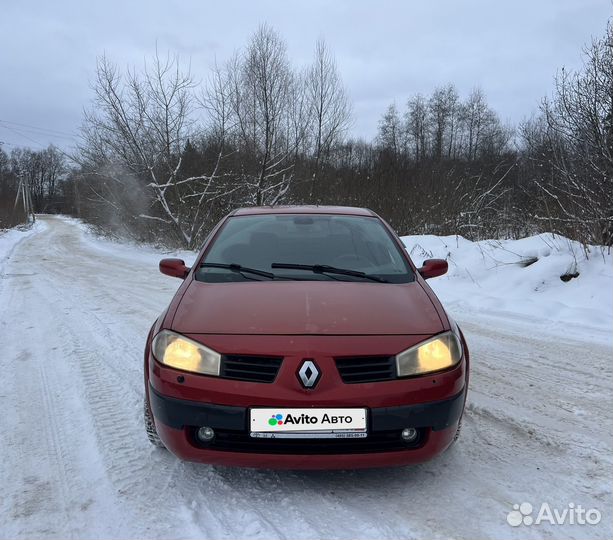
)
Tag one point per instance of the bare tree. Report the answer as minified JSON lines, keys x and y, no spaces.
{"x":453,"y":132}
{"x":329,"y":107}
{"x":134,"y":137}
{"x":416,"y":120}
{"x":391,"y":133}
{"x":262,"y":84}
{"x":56,"y":167}
{"x":40,"y":171}
{"x":13,"y":207}
{"x":475,"y":113}
{"x":579,"y":130}
{"x":440,"y":106}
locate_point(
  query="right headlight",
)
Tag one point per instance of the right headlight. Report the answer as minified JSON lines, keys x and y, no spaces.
{"x":435,"y":354}
{"x":177,"y":351}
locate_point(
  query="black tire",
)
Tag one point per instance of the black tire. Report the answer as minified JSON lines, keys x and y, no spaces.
{"x":457,"y":433}
{"x":152,"y":433}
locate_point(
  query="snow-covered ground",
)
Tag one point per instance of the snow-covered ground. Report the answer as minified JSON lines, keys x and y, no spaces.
{"x":11,"y":238}
{"x":519,"y":280}
{"x":75,"y":463}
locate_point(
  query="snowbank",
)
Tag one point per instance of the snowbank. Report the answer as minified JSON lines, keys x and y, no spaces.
{"x":9,"y":238}
{"x":124,"y":248}
{"x":521,"y":279}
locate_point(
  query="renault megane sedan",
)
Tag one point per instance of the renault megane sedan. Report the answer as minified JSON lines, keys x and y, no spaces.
{"x":304,"y":337}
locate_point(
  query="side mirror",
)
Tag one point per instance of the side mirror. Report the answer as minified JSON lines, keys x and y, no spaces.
{"x":174,"y":268}
{"x":433,"y":268}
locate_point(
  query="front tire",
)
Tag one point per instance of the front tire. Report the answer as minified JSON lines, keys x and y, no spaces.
{"x":457,"y":433}
{"x":152,"y":433}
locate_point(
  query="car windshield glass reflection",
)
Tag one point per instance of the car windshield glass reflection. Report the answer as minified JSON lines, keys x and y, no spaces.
{"x":330,"y":247}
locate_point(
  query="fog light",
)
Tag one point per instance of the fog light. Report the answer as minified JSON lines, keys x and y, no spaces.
{"x":205,"y":434}
{"x":409,"y":434}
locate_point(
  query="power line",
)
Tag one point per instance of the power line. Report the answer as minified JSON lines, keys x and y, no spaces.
{"x":24,"y":145}
{"x":39,"y":128}
{"x":39,"y":144}
{"x":24,"y":136}
{"x":29,"y":127}
{"x":38,"y":132}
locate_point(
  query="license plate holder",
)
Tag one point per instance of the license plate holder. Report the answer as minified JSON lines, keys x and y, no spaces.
{"x":308,"y":423}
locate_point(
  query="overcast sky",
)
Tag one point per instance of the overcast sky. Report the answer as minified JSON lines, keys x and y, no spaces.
{"x":386,"y":50}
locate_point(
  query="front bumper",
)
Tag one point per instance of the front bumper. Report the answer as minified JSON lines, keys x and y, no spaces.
{"x":177,"y":421}
{"x":182,"y":401}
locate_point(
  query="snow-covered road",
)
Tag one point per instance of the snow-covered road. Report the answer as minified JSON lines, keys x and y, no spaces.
{"x":75,"y":462}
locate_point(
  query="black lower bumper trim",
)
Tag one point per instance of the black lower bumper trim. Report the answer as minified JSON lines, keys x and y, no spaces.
{"x":178,"y":413}
{"x":437,"y":415}
{"x":376,"y":442}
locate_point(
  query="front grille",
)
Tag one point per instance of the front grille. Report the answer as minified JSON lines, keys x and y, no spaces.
{"x":365,"y":369}
{"x":262,"y":369}
{"x":376,"y":442}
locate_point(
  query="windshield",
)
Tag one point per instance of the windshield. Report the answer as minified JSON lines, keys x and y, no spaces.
{"x":354,"y":243}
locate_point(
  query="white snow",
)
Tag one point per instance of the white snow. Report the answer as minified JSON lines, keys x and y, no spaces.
{"x":124,"y":249}
{"x":74,"y":460}
{"x":490,"y":277}
{"x":10,"y":238}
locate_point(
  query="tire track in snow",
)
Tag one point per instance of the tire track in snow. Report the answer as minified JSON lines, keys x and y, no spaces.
{"x":56,"y":438}
{"x":118,"y":422}
{"x":40,"y":481}
{"x":113,"y":402}
{"x":248,"y":522}
{"x":49,"y":473}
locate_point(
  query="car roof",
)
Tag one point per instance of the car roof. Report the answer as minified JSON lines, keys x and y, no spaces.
{"x":304,"y":209}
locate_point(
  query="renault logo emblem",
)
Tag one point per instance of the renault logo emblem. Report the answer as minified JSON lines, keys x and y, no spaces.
{"x":309,"y":374}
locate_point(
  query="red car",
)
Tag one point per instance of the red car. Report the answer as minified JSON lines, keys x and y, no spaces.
{"x":304,"y":338}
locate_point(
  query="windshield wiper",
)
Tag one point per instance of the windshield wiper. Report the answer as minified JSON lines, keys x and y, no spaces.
{"x":325,"y":269}
{"x":239,"y":269}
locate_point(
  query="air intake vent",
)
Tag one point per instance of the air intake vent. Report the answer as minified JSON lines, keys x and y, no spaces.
{"x":364,"y":369}
{"x":250,"y":368}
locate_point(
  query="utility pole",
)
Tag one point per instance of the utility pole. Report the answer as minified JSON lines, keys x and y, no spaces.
{"x":23,"y":189}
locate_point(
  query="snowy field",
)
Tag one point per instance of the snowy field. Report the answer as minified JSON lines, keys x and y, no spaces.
{"x":75,"y":462}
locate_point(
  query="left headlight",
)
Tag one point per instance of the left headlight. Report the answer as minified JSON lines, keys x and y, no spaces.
{"x":436,"y":354}
{"x":177,"y":351}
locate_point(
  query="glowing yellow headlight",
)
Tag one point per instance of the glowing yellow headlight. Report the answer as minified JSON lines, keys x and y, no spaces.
{"x":441,"y":352}
{"x":182,"y":354}
{"x":179,"y":352}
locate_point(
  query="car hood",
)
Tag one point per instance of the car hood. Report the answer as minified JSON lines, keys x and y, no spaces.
{"x":306,"y":307}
